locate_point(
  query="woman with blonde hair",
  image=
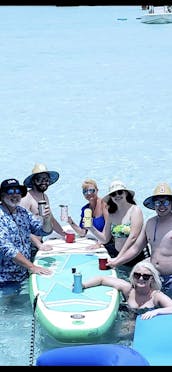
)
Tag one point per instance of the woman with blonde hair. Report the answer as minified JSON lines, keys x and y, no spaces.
{"x":98,"y":210}
{"x":142,"y":291}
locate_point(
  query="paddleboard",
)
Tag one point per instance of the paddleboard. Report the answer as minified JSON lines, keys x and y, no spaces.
{"x":69,"y":316}
{"x":153,"y":339}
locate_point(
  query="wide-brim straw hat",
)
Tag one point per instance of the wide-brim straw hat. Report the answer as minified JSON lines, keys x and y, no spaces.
{"x":116,"y":186}
{"x":41,"y":168}
{"x":162,"y":189}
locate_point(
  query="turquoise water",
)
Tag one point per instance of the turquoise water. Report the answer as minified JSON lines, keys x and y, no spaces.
{"x":89,"y":95}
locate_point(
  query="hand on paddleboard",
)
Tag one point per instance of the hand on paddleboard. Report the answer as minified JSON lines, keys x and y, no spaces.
{"x":40,"y":270}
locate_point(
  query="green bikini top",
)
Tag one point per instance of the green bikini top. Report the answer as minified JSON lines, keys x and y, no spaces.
{"x":120,"y":231}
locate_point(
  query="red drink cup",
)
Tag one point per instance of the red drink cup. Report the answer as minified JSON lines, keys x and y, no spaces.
{"x":70,"y":237}
{"x":102,"y":264}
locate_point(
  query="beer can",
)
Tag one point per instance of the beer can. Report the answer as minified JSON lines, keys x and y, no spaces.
{"x":41,"y":207}
{"x":64,"y":212}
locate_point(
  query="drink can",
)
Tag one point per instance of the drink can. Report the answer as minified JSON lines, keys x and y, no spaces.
{"x":87,"y":217}
{"x":77,"y":287}
{"x":41,"y":206}
{"x":64,"y":212}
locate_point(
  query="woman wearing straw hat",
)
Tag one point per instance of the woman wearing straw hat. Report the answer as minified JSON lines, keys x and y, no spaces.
{"x":158,"y":233}
{"x":38,"y":182}
{"x":124,"y":222}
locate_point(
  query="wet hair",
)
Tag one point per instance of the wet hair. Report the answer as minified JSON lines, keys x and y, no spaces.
{"x":87,"y":182}
{"x":156,"y":283}
{"x":112,"y":207}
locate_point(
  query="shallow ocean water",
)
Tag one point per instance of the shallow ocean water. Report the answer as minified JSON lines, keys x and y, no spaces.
{"x":89,"y":95}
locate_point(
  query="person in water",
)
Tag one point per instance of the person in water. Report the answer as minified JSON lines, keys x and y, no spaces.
{"x":98,"y":208}
{"x":38,"y":183}
{"x":16,"y":225}
{"x":141,"y":292}
{"x":124,"y":221}
{"x":158,"y":233}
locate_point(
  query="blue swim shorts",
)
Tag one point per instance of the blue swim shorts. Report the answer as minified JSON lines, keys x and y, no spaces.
{"x":166,"y":282}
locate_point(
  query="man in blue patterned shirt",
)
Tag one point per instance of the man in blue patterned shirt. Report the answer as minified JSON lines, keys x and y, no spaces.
{"x":16,"y":225}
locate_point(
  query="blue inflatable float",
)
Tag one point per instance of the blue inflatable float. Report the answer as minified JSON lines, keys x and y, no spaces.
{"x":92,"y":355}
{"x":153,"y":339}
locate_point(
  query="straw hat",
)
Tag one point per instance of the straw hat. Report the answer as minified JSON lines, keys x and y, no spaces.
{"x":162,"y":189}
{"x":11,"y":183}
{"x":41,"y":168}
{"x":115,"y":186}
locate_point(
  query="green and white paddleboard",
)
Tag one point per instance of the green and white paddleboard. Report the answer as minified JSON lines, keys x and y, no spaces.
{"x":69,"y":316}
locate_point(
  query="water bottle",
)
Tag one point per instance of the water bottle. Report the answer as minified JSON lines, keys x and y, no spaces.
{"x":77,"y":286}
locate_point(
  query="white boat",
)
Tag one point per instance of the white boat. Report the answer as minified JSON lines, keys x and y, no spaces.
{"x":157,"y":14}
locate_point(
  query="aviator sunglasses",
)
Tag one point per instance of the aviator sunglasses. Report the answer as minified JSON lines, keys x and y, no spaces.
{"x":119,"y":192}
{"x":145,"y":277}
{"x":165,"y":203}
{"x":13,"y":191}
{"x":89,"y":191}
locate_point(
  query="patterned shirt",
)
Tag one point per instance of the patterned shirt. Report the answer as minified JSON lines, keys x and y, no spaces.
{"x":15,"y":230}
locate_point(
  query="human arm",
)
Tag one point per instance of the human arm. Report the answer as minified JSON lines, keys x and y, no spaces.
{"x":57,"y":227}
{"x":81,"y":231}
{"x":132,"y":252}
{"x":160,"y":311}
{"x":23,"y":261}
{"x":119,"y":284}
{"x":105,"y":235}
{"x":37,"y":242}
{"x":162,"y":300}
{"x":135,"y":229}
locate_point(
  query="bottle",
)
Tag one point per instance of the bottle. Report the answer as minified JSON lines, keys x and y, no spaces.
{"x":77,"y":286}
{"x":87,"y":217}
{"x":64,"y":212}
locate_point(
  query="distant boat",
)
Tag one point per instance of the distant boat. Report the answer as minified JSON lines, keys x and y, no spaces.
{"x":157,"y":14}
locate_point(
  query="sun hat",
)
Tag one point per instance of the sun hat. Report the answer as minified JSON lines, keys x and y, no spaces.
{"x":41,"y":168}
{"x":115,"y":186}
{"x":162,"y":189}
{"x":10,"y":183}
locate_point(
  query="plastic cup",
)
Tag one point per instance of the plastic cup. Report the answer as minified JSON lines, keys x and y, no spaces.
{"x":102,"y":264}
{"x":70,"y":237}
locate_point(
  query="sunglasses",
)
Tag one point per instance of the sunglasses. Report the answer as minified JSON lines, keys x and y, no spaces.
{"x":13,"y":191}
{"x":42,"y":179}
{"x":145,"y":277}
{"x":89,"y":191}
{"x":119,"y":192}
{"x":165,"y":203}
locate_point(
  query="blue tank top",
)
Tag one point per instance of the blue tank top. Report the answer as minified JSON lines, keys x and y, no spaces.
{"x":98,"y":222}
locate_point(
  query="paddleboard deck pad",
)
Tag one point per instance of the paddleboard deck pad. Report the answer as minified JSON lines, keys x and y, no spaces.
{"x":69,"y":316}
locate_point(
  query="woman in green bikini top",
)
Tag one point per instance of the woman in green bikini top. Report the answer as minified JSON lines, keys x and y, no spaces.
{"x":124,"y":222}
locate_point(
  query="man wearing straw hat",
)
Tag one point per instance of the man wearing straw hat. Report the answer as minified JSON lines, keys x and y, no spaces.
{"x":38,"y":182}
{"x":157,"y":232}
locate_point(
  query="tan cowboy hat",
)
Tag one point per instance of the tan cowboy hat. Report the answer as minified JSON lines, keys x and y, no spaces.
{"x":41,"y":168}
{"x":115,"y":186}
{"x":162,"y":189}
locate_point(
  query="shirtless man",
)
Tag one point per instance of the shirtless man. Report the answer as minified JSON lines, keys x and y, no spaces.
{"x":157,"y":232}
{"x":38,"y":182}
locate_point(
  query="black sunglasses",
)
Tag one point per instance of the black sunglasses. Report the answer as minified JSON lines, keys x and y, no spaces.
{"x":119,"y":192}
{"x":144,"y":276}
